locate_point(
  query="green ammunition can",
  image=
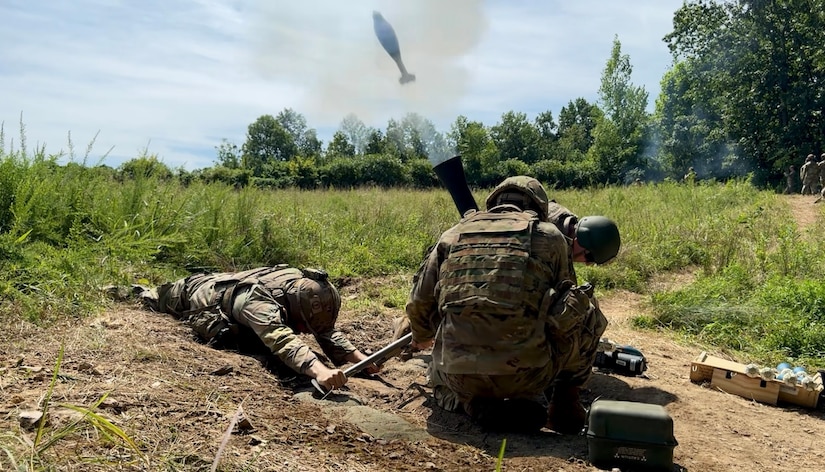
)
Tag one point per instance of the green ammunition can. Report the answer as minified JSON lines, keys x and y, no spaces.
{"x":630,"y":436}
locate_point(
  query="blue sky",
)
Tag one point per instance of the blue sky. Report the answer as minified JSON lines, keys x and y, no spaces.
{"x":175,"y":77}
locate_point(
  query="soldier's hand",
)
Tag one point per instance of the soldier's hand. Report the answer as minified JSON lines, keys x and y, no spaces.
{"x":421,"y":345}
{"x":373,"y":368}
{"x":331,"y":378}
{"x":358,"y":356}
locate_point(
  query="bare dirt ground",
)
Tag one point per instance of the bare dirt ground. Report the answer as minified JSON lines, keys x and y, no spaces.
{"x":176,"y":398}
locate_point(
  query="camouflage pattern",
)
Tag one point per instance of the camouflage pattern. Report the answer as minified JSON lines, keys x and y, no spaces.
{"x":809,"y":175}
{"x":488,"y":275}
{"x":453,"y":392}
{"x":523,"y":191}
{"x":576,"y":326}
{"x":481,"y":355}
{"x":821,"y":169}
{"x":790,"y":180}
{"x":566,"y":221}
{"x":276,"y":303}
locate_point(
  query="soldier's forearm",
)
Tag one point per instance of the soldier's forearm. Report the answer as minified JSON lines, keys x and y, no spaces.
{"x":316,"y":368}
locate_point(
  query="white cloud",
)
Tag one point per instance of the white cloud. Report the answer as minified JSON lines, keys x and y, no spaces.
{"x":179,"y":76}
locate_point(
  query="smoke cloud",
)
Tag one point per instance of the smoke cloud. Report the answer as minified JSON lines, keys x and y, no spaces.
{"x":329,"y":49}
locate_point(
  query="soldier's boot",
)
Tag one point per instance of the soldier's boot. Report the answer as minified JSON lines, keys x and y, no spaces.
{"x":516,"y":415}
{"x":148,"y":298}
{"x":115,"y":293}
{"x":566,"y":414}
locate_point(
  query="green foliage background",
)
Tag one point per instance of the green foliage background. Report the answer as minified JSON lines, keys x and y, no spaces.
{"x":66,"y":231}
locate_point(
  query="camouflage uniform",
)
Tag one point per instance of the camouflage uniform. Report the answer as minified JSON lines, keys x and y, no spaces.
{"x":276,"y":303}
{"x":790,"y":180}
{"x":541,"y":329}
{"x":821,"y":168}
{"x":565,"y":221}
{"x":809,"y":175}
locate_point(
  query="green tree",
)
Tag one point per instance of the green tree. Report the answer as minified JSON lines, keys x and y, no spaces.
{"x":764,"y":62}
{"x":376,"y":143}
{"x":516,"y":138}
{"x":472,"y":141}
{"x":689,"y":126}
{"x":577,"y":121}
{"x":394,"y":143}
{"x":229,"y":154}
{"x":414,"y":137}
{"x":548,"y":135}
{"x":266,"y":141}
{"x":618,"y":137}
{"x":340,"y":146}
{"x":305,"y":138}
{"x":356,"y":132}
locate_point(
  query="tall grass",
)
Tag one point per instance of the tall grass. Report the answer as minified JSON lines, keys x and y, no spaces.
{"x":66,"y":230}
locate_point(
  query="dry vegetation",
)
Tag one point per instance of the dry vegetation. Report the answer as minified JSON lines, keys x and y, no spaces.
{"x":176,"y":398}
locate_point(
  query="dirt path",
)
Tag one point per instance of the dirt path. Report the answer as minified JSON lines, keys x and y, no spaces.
{"x":171,"y":396}
{"x":803,"y":209}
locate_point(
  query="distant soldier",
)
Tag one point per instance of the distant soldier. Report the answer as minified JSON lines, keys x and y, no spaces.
{"x":809,"y":175}
{"x":790,"y":180}
{"x":821,"y":166}
{"x":690,"y":177}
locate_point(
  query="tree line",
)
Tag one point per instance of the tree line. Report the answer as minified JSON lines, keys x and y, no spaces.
{"x":743,"y":97}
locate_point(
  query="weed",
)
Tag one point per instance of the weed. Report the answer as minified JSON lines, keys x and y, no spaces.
{"x":500,"y":459}
{"x":36,"y":456}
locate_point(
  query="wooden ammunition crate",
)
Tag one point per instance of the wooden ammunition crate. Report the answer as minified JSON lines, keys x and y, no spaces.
{"x":756,"y":389}
{"x":701,"y":369}
{"x":729,"y":376}
{"x":799,"y":396}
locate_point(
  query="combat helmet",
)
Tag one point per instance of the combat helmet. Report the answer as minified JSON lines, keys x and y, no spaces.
{"x":315,"y":301}
{"x":600,"y":236}
{"x":525,"y":192}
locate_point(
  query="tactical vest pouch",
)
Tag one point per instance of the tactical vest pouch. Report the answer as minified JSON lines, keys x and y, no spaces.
{"x":226,"y":286}
{"x":485,"y":269}
{"x":568,"y":311}
{"x":171,"y":298}
{"x":279,"y":284}
{"x":211,"y":326}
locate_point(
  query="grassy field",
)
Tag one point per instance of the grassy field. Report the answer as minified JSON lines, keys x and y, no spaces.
{"x":67,"y":230}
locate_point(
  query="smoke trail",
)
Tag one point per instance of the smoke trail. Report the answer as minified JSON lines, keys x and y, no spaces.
{"x":330,"y":49}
